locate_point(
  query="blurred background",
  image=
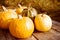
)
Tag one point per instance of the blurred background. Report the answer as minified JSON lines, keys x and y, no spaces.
{"x":52,"y":7}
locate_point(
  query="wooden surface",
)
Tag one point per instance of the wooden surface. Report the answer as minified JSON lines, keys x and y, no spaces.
{"x":53,"y":34}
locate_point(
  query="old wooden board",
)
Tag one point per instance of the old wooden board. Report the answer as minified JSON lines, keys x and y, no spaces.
{"x":53,"y":34}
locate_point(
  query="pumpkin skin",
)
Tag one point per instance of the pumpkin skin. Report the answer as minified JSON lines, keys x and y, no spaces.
{"x":20,"y":9}
{"x":6,"y":17}
{"x":43,"y":22}
{"x":21,"y":28}
{"x":31,"y":12}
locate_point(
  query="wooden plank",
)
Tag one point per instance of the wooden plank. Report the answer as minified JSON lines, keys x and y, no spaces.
{"x":56,"y":26}
{"x":30,"y":38}
{"x":9,"y":36}
{"x":53,"y":34}
{"x":56,"y":23}
{"x":2,"y":36}
{"x":5,"y":35}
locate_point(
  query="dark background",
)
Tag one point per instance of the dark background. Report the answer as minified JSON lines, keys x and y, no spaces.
{"x":52,"y":7}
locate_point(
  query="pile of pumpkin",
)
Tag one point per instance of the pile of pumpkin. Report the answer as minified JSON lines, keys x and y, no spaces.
{"x":21,"y":24}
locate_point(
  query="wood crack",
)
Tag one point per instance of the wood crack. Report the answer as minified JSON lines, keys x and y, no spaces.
{"x":35,"y":37}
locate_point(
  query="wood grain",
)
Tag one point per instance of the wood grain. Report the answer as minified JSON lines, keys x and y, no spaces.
{"x":2,"y":36}
{"x":30,"y":38}
{"x":53,"y":34}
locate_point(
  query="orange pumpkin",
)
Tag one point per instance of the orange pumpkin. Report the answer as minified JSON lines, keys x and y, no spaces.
{"x":21,"y":28}
{"x":5,"y":18}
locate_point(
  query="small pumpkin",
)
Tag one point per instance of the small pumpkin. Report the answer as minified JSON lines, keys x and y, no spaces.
{"x":30,"y":12}
{"x":20,"y":9}
{"x":43,"y":22}
{"x":6,"y":16}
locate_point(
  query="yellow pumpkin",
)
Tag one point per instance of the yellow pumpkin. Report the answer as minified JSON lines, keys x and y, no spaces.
{"x":43,"y":22}
{"x":21,"y":28}
{"x":5,"y":18}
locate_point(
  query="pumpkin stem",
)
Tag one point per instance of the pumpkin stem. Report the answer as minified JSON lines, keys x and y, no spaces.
{"x":44,"y":13}
{"x":4,"y":8}
{"x":22,"y":7}
{"x":19,"y":16}
{"x":29,"y":7}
